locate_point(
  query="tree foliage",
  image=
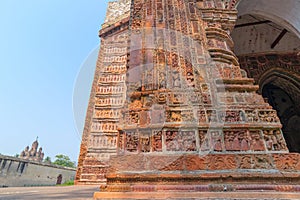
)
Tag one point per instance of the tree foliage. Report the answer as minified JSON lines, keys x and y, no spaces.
{"x":48,"y":160}
{"x":64,"y":160}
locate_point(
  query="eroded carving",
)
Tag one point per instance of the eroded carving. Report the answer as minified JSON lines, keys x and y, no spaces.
{"x":237,"y":140}
{"x":132,"y":141}
{"x":274,"y":140}
{"x":180,"y":141}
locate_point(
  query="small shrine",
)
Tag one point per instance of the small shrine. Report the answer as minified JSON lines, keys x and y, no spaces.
{"x":34,"y":154}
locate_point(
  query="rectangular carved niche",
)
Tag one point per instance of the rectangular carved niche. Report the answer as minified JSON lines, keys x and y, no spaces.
{"x":237,"y":140}
{"x":144,"y":141}
{"x":156,"y":141}
{"x":180,"y":140}
{"x":243,"y":140}
{"x":132,"y":141}
{"x":121,"y":141}
{"x":274,"y":140}
{"x":204,"y":140}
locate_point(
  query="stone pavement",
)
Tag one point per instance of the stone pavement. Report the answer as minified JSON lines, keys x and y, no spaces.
{"x":252,"y":195}
{"x":54,"y":192}
{"x":87,"y":192}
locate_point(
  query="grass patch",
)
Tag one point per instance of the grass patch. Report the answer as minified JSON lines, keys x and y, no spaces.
{"x":67,"y":183}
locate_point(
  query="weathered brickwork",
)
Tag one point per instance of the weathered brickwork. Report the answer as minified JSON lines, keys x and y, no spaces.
{"x":99,"y":139}
{"x":182,"y":84}
{"x":185,"y":107}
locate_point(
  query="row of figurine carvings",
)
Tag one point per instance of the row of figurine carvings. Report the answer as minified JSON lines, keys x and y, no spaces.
{"x":200,"y":116}
{"x":218,"y":141}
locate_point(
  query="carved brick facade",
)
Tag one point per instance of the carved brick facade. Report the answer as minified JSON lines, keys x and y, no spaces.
{"x":186,"y":108}
{"x":99,"y":139}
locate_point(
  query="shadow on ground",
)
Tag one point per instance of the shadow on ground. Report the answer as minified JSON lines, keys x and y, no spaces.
{"x":65,"y":193}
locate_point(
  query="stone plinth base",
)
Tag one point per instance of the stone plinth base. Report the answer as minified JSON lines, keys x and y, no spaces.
{"x":209,"y":176}
{"x":89,"y":182}
{"x":197,"y":195}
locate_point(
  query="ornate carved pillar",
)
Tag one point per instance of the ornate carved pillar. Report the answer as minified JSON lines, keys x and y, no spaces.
{"x":99,"y":138}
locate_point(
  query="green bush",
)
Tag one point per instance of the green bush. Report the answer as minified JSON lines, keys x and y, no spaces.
{"x":67,"y":183}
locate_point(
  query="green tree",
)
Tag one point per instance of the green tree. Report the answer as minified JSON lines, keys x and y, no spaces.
{"x":48,"y":160}
{"x":64,"y":160}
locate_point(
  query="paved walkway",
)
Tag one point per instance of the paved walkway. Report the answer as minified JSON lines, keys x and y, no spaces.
{"x":87,"y":192}
{"x":250,"y":195}
{"x":55,"y":192}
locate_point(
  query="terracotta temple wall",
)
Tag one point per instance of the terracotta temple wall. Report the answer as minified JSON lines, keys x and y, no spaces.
{"x":168,"y":88}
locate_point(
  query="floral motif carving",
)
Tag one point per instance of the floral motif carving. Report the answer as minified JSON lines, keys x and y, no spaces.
{"x":161,"y":98}
{"x":195,"y":163}
{"x":258,"y":161}
{"x":134,"y":117}
{"x":222,"y":162}
{"x":268,"y":116}
{"x":287,"y":162}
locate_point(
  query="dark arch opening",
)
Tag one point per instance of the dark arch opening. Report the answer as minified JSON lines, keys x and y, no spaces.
{"x":59,"y":179}
{"x":286,"y":108}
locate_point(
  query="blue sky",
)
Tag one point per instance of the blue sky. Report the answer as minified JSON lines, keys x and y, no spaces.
{"x":44,"y":46}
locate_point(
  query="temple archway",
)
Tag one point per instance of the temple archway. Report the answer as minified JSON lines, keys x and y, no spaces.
{"x":267,"y":43}
{"x":283,"y":97}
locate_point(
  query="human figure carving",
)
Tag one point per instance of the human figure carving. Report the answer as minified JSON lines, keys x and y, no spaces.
{"x":176,"y":80}
{"x":257,"y":143}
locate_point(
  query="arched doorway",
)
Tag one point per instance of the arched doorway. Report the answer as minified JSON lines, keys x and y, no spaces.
{"x":285,"y":106}
{"x":267,"y":43}
{"x":59,"y":179}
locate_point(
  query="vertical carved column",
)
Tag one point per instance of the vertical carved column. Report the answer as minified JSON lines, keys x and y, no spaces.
{"x":99,"y":140}
{"x":235,"y":90}
{"x":219,"y":22}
